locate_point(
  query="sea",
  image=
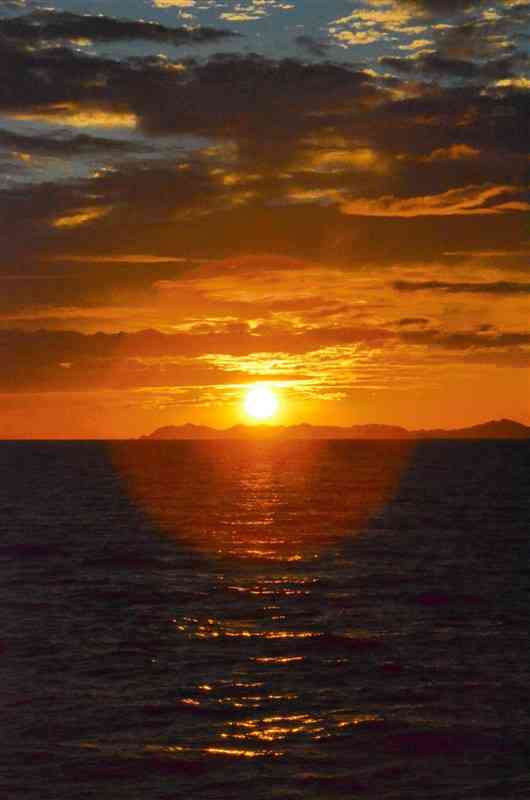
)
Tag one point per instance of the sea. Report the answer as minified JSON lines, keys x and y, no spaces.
{"x":265,"y":619}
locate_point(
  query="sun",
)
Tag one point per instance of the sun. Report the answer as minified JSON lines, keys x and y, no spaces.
{"x":261,"y":402}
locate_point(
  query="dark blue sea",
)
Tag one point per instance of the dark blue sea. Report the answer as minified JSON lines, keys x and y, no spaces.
{"x":265,"y":620}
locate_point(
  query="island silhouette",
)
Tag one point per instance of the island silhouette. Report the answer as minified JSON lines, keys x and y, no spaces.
{"x":493,"y":429}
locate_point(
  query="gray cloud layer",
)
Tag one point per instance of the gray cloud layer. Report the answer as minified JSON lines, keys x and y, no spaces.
{"x":50,"y":26}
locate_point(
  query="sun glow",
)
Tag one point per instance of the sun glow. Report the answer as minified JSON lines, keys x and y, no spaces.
{"x":261,"y":402}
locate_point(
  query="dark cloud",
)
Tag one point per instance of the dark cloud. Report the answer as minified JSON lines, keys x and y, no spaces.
{"x":49,"y":26}
{"x":406,"y":321}
{"x":66,"y":361}
{"x":466,"y":340}
{"x":462,"y":42}
{"x":444,"y":66}
{"x":434,"y":64}
{"x":469,"y":115}
{"x":38,"y":78}
{"x":494,"y":287}
{"x":161,"y":188}
{"x":443,"y":7}
{"x":272,"y":121}
{"x":273,"y":110}
{"x":165,"y":211}
{"x":504,"y":10}
{"x":65,"y":146}
{"x":263,"y":104}
{"x":478,"y":39}
{"x":153,"y":207}
{"x":47,"y":360}
{"x":313,"y":46}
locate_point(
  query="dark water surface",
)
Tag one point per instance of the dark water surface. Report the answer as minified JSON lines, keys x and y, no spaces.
{"x":265,"y":620}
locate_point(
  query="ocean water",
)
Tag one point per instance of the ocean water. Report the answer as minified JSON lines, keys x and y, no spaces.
{"x":265,"y":620}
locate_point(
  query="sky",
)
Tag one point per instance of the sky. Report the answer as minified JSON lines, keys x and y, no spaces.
{"x":329,"y":196}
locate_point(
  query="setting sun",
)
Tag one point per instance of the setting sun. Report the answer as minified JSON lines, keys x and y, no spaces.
{"x":261,"y":402}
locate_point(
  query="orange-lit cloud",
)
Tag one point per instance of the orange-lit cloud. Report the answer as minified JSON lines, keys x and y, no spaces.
{"x":470,"y":200}
{"x":175,"y":229}
{"x":78,"y":117}
{"x":81,"y":217}
{"x":454,"y":153}
{"x":123,"y":258}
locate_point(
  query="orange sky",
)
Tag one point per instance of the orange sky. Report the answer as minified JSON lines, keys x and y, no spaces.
{"x":342,"y":214}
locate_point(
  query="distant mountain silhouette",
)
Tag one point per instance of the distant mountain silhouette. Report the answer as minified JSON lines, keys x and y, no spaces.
{"x":494,"y":429}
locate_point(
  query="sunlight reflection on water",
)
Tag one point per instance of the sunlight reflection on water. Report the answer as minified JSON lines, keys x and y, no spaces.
{"x":151,"y":650}
{"x":261,"y":500}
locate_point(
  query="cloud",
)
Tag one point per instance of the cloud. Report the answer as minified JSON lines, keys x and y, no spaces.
{"x":219,"y":98}
{"x":406,"y":321}
{"x":121,"y":258}
{"x":212,"y":99}
{"x":478,"y":39}
{"x":417,"y":44}
{"x":62,"y":146}
{"x":335,"y":159}
{"x":493,"y":288}
{"x":76,"y":115}
{"x":443,"y":7}
{"x":469,"y":200}
{"x":82,"y":216}
{"x":313,"y":46}
{"x":434,"y":63}
{"x":15,"y":5}
{"x":60,"y":360}
{"x":49,"y":26}
{"x":288,"y":217}
{"x":173,"y":3}
{"x":274,"y":114}
{"x":280,"y":130}
{"x":357,"y":37}
{"x":233,"y":320}
{"x":515,"y":83}
{"x":181,"y":209}
{"x":34,"y":360}
{"x":465,"y":340}
{"x":390,"y":16}
{"x":455,"y":152}
{"x":167,"y":190}
{"x":438,"y":117}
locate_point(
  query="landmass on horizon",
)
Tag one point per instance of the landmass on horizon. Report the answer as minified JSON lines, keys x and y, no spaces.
{"x":493,"y":429}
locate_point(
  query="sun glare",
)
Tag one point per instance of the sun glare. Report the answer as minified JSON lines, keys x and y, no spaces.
{"x":261,"y":402}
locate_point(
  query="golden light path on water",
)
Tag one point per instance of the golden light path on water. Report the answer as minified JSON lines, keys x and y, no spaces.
{"x":263,"y":500}
{"x":262,"y":514}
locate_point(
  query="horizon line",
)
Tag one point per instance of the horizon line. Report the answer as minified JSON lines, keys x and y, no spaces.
{"x":265,"y":426}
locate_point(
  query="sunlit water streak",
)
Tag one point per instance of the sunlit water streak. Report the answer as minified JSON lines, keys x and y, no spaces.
{"x":277,"y":619}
